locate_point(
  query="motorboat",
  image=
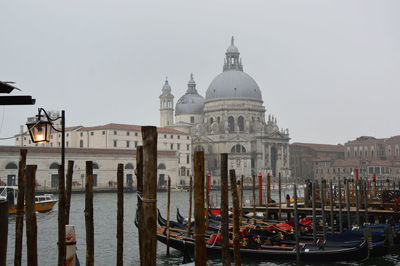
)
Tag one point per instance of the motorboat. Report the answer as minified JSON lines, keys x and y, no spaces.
{"x":43,"y":203}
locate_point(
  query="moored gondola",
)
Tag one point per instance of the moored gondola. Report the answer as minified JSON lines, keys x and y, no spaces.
{"x":355,"y":252}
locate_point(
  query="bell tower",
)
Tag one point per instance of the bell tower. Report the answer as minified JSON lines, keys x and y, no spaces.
{"x":166,"y":106}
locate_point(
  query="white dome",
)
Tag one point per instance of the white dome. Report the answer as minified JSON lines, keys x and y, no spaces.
{"x":189,"y":104}
{"x":233,"y":84}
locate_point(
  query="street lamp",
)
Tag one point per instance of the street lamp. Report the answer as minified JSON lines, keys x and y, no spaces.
{"x":40,"y":131}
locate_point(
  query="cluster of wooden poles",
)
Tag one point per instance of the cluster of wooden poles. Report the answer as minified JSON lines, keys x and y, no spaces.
{"x":26,"y":179}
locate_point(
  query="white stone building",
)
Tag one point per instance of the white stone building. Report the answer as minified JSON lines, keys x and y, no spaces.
{"x":105,"y":162}
{"x":173,"y":144}
{"x":230,"y":119}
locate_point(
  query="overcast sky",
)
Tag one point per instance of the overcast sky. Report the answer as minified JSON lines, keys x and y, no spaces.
{"x":328,"y":70}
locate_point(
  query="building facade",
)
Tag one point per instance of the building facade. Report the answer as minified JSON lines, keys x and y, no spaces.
{"x":105,"y":162}
{"x":371,"y":156}
{"x":176,"y":144}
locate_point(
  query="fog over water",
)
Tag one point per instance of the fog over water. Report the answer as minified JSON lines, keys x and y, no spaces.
{"x":328,"y":70}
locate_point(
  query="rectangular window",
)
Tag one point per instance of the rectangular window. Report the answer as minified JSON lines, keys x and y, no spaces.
{"x":165,"y":136}
{"x":81,"y":143}
{"x":81,"y":134}
{"x":187,"y":158}
{"x":187,"y":137}
{"x":178,"y":146}
{"x":67,"y":134}
{"x":91,"y":133}
{"x":187,"y":147}
{"x":136,"y":134}
{"x":127,"y":133}
{"x":172,"y":136}
{"x":188,"y":173}
{"x":115,"y":143}
{"x":115,"y":132}
{"x":172,"y":146}
{"x":66,"y":144}
{"x":192,"y":119}
{"x":135,"y":144}
{"x":103,"y":132}
{"x":179,"y":137}
{"x":127,"y":144}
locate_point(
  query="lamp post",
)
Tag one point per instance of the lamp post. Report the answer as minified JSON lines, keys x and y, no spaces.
{"x":40,"y":131}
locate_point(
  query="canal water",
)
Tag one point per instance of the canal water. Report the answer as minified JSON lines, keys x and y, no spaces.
{"x":105,"y":219}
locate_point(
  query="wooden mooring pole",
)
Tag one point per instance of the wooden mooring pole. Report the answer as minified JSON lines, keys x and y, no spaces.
{"x":267,"y":197}
{"x":323,"y":208}
{"x":340,"y":207}
{"x":200,"y":255}
{"x":70,"y":169}
{"x":357,"y":188}
{"x":31,"y":226}
{"x":3,"y":232}
{"x":139,"y":193}
{"x":296,"y":224}
{"x":190,"y":206}
{"x":149,"y":136}
{"x":348,"y":204}
{"x":331,"y":206}
{"x":19,"y":219}
{"x":120,"y":215}
{"x":314,"y":219}
{"x":207,"y":199}
{"x":364,"y":182}
{"x":168,"y":210}
{"x":61,"y":216}
{"x":280,"y":197}
{"x":89,"y":214}
{"x":254,"y":198}
{"x":226,"y":260}
{"x":241,"y":200}
{"x":235,"y":205}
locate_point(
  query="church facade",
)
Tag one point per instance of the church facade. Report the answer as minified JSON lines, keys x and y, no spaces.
{"x":230,"y":119}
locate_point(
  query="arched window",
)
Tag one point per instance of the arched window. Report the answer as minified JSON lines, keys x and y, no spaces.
{"x":211,"y":120}
{"x":238,"y":148}
{"x":11,"y":166}
{"x":53,"y":166}
{"x":231,"y":124}
{"x":95,"y":166}
{"x":128,"y":166}
{"x":241,"y":123}
{"x":161,"y":166}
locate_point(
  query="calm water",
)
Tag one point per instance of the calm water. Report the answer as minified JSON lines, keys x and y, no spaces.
{"x":105,"y":232}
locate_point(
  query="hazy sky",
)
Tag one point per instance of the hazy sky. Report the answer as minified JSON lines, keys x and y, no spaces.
{"x":328,"y":70}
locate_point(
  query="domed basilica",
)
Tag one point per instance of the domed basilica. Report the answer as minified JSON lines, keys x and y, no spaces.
{"x":230,"y":119}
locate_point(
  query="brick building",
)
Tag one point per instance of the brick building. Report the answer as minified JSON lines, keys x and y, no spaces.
{"x":303,"y":157}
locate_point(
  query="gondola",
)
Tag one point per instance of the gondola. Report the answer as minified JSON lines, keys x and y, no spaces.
{"x":355,"y":252}
{"x":349,"y":237}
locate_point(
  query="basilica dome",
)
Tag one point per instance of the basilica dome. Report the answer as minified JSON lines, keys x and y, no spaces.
{"x":233,"y":82}
{"x":191,"y":102}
